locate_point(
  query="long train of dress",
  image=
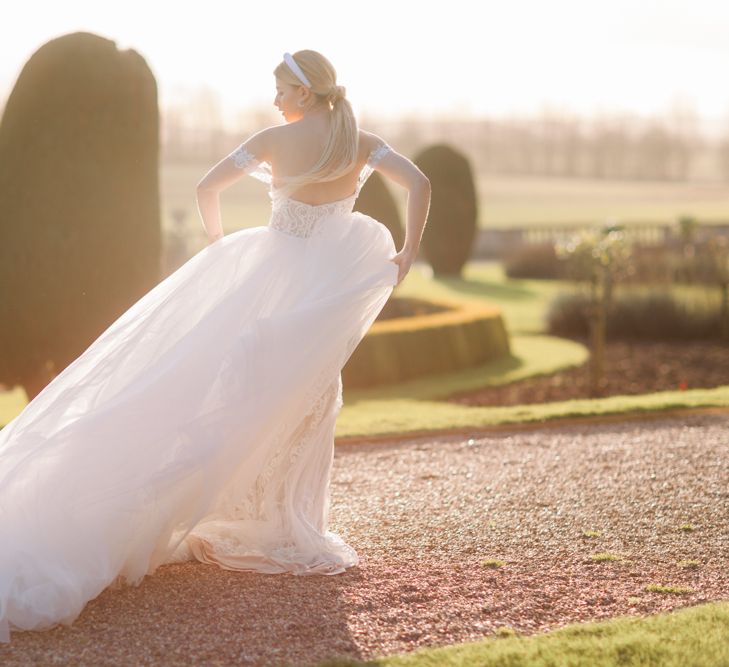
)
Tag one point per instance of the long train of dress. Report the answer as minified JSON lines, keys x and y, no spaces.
{"x":200,"y":423}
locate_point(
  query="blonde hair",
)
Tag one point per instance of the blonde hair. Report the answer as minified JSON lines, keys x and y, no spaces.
{"x":340,"y":152}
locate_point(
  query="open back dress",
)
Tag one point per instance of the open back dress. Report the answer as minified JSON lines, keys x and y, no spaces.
{"x":200,"y":423}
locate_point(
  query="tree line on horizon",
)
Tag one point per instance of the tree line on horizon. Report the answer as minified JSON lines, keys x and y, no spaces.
{"x":673,"y":146}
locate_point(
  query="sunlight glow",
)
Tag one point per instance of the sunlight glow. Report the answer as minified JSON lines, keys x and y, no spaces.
{"x":406,"y":58}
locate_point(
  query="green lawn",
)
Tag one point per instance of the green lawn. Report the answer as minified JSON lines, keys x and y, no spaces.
{"x":244,"y":204}
{"x":531,"y":355}
{"x":524,"y":303}
{"x":401,"y":416}
{"x":696,"y":636}
{"x":506,"y":201}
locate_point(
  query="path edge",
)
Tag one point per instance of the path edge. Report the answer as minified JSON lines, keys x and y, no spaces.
{"x":476,"y":431}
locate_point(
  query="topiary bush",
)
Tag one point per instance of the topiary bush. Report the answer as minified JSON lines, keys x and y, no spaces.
{"x":450,"y":231}
{"x":376,"y":200}
{"x":408,"y":307}
{"x":79,"y":188}
{"x":452,"y":336}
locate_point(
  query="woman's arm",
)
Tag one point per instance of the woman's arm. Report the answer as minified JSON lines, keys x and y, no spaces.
{"x":223,"y":175}
{"x":418,"y":206}
{"x":405,"y":173}
{"x":208,"y":206}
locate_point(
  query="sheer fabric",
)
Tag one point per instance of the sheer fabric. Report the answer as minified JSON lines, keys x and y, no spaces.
{"x":200,"y":423}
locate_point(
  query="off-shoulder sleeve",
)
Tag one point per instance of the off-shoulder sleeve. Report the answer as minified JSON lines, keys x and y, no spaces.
{"x":376,"y":154}
{"x":243,"y":159}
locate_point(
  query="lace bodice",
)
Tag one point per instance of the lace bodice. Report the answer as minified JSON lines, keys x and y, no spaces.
{"x":298,"y":218}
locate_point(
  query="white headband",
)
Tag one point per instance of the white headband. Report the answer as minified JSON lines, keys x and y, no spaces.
{"x":296,"y":69}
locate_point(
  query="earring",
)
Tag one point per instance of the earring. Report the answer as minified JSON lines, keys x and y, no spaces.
{"x":299,"y":103}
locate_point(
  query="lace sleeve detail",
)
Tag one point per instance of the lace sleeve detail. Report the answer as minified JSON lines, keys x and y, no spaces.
{"x":244,"y":159}
{"x":377,"y":154}
{"x":374,"y":157}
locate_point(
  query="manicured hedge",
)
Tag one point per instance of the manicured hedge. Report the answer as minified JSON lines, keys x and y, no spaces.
{"x":400,"y":349}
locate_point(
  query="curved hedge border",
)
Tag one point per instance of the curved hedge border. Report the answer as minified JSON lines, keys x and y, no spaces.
{"x":467,"y":335}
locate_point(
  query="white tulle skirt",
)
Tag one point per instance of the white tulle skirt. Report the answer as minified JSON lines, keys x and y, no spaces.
{"x":200,"y":424}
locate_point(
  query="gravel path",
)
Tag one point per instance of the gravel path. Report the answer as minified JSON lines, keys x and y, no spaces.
{"x":423,"y":515}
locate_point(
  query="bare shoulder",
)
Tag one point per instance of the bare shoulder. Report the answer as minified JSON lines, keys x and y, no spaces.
{"x":268,"y":141}
{"x":369,"y":141}
{"x":263,"y":143}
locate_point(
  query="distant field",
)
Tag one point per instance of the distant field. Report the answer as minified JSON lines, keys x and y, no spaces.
{"x":506,"y":202}
{"x":244,"y":204}
{"x":503,"y":201}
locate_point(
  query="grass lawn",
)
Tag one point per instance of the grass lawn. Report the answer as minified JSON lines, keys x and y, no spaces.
{"x":11,"y":403}
{"x":524,"y":303}
{"x":402,"y":416}
{"x":695,"y":636}
{"x":507,"y":201}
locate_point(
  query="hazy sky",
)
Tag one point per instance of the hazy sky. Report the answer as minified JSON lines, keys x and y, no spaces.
{"x":462,"y":56}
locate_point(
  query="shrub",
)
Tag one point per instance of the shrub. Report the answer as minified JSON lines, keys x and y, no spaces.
{"x":451,"y":228}
{"x":377,"y":201}
{"x":408,"y":307}
{"x":654,"y":264}
{"x":79,"y":185}
{"x":639,"y":315}
{"x":534,"y":260}
{"x":463,"y":335}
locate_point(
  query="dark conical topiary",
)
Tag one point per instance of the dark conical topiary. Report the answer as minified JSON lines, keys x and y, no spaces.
{"x":79,"y":202}
{"x":376,"y":200}
{"x":451,"y":228}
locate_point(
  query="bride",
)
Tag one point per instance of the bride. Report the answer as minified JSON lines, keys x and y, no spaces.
{"x":200,"y":423}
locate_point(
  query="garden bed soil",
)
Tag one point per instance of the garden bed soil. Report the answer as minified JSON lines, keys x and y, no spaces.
{"x":630,"y":368}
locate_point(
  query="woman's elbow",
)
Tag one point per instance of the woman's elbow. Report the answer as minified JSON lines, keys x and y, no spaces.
{"x":423,"y":183}
{"x":420,"y":179}
{"x":419,"y":187}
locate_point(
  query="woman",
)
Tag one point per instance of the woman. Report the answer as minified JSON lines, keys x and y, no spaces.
{"x":200,"y":424}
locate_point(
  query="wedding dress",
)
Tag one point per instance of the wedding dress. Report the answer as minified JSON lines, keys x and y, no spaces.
{"x":200,"y":423}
